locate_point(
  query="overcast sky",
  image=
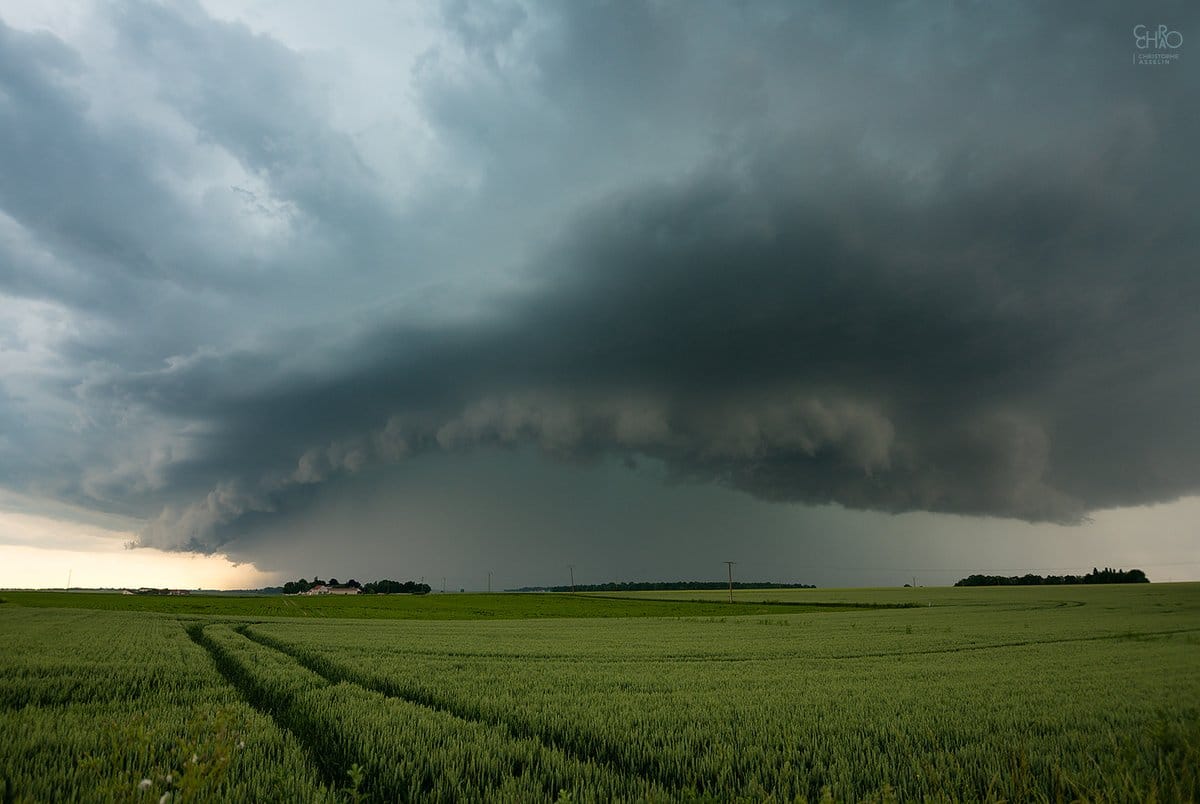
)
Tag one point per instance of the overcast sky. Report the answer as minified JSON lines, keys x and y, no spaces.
{"x":847,"y":295}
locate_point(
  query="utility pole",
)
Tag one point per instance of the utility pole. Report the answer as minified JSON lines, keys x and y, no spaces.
{"x":571,"y":567}
{"x":730,"y":565}
{"x":489,"y":582}
{"x":69,"y":577}
{"x":443,"y":584}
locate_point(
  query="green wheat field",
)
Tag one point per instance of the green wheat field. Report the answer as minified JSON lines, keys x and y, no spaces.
{"x":1015,"y":694}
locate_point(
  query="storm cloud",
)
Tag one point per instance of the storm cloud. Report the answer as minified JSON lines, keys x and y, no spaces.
{"x":895,"y":261}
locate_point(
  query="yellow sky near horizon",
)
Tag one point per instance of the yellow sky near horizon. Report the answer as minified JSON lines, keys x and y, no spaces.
{"x":38,"y":552}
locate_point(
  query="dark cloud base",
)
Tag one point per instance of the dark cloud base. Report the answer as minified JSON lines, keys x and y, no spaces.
{"x":968,"y":288}
{"x":747,"y":334}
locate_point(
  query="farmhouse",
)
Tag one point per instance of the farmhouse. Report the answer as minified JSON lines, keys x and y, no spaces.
{"x":145,"y":590}
{"x":325,"y":589}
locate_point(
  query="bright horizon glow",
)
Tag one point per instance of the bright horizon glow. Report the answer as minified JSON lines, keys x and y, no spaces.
{"x":39,"y":552}
{"x":95,"y":557}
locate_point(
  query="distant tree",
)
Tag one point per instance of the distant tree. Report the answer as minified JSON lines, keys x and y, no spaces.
{"x":300,"y":586}
{"x":1107,"y":575}
{"x":650,"y":586}
{"x":333,"y":582}
{"x":390,"y":587}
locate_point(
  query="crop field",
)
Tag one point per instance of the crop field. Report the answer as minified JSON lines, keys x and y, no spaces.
{"x":404,"y":607}
{"x":1044,"y":693}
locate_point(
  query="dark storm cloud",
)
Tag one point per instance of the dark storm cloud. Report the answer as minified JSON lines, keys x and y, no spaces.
{"x":893,"y":261}
{"x":888,"y":354}
{"x":242,"y":93}
{"x":46,"y":150}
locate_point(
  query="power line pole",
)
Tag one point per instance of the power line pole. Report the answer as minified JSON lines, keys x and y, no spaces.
{"x":730,"y":565}
{"x":489,"y":582}
{"x":571,"y":567}
{"x":443,"y":584}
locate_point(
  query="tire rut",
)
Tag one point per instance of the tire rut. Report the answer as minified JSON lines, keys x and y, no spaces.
{"x":326,"y":759}
{"x":1019,"y":644}
{"x":646,"y":772}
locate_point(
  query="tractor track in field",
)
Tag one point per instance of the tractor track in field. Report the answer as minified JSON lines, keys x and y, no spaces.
{"x":651,"y":773}
{"x":332,"y":760}
{"x":330,"y":764}
{"x":1131,"y":635}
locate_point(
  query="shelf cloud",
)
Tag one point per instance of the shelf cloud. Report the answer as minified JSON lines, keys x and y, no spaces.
{"x":891,"y":260}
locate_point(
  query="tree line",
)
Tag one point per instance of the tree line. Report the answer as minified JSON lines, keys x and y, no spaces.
{"x":1106,"y":575}
{"x":383,"y":587}
{"x":661,"y":586}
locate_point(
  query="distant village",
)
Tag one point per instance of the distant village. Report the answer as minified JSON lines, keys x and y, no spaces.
{"x":326,"y":589}
{"x":314,"y":587}
{"x":353,"y":587}
{"x":145,"y":590}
